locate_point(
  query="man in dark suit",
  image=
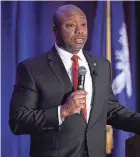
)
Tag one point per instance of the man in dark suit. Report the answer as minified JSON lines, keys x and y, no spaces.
{"x":61,"y":120}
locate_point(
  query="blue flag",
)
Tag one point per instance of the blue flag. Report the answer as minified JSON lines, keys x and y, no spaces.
{"x":122,"y":82}
{"x":123,"y":86}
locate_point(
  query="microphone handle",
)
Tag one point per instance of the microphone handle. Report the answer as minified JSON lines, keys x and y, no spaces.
{"x":81,"y":82}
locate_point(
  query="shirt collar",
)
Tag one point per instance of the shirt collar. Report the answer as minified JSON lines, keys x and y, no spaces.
{"x":66,"y":56}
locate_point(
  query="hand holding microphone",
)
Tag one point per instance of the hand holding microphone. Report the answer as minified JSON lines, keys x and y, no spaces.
{"x":77,"y":100}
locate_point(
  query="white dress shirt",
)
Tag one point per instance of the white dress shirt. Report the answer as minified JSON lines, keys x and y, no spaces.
{"x":67,"y":61}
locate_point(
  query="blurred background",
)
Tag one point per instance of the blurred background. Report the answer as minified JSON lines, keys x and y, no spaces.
{"x":26,"y":31}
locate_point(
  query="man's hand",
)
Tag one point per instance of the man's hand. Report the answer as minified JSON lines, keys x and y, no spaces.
{"x":75,"y":102}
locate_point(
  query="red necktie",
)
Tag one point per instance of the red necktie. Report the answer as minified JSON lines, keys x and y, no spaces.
{"x":75,"y":67}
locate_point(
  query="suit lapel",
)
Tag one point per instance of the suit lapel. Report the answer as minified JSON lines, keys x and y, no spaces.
{"x":59,"y":70}
{"x":95,"y":108}
{"x":91,"y":62}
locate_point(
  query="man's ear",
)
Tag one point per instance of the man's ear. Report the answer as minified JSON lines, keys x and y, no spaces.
{"x":54,"y":28}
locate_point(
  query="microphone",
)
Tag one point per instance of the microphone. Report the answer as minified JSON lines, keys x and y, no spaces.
{"x":81,"y":78}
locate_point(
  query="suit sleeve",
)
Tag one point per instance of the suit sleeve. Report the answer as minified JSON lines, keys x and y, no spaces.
{"x":24,"y":115}
{"x":120,"y":117}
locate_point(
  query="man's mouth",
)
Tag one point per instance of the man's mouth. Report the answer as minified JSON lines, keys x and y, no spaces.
{"x":79,"y":40}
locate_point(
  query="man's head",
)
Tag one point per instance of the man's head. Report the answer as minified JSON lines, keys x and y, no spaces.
{"x":70,"y":28}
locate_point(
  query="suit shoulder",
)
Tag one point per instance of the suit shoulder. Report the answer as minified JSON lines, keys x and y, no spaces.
{"x":102,"y":60}
{"x":98,"y":59}
{"x":34,"y":65}
{"x":34,"y":60}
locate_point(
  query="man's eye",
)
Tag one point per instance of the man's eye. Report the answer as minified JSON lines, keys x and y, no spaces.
{"x":84,"y":24}
{"x":70,"y":25}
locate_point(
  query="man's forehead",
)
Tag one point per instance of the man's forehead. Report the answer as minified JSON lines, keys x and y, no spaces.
{"x":67,"y":12}
{"x":70,"y":16}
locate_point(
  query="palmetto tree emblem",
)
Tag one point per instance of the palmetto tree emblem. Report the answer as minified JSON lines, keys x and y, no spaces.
{"x":123,"y":80}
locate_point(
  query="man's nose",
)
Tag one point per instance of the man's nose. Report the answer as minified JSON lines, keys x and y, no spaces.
{"x":79,"y":30}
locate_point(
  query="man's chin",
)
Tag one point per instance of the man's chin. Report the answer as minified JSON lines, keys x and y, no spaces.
{"x":75,"y":51}
{"x":74,"y":48}
{"x":78,"y":47}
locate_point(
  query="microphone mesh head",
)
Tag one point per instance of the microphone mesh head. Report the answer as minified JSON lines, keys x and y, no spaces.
{"x":82,"y":70}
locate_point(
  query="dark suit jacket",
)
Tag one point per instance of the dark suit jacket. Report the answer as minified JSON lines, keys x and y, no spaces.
{"x":42,"y":84}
